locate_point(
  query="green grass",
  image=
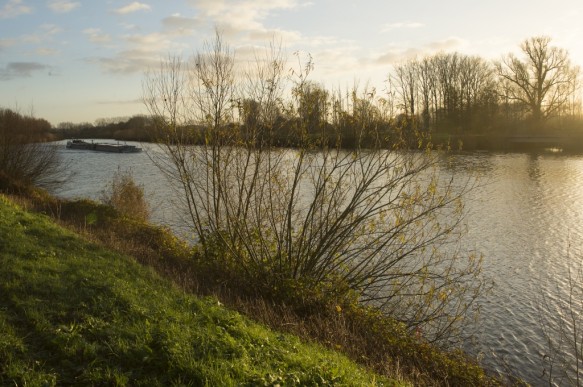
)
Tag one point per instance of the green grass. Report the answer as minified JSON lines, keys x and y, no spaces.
{"x":74,"y":313}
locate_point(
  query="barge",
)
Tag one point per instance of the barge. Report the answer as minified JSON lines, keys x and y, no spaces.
{"x":102,"y":147}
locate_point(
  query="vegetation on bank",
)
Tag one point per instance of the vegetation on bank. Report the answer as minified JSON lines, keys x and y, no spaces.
{"x":73,"y":312}
{"x":81,"y":327}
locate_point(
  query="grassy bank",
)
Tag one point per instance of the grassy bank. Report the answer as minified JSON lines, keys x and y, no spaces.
{"x":366,"y":336}
{"x":72,"y":312}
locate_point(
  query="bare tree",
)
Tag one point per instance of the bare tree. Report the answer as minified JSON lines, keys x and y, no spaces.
{"x":406,"y":75}
{"x":542,"y":80}
{"x":447,"y":90}
{"x":377,"y":222}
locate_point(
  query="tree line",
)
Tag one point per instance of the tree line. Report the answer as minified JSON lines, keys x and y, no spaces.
{"x":443,"y":94}
{"x":461,"y":93}
{"x":135,"y":128}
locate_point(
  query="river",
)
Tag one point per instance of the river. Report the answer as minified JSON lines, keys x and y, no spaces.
{"x":525,"y":217}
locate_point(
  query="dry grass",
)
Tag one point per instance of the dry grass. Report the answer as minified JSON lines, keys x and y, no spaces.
{"x":126,"y":196}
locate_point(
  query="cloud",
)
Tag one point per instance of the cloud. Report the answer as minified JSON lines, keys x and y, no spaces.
{"x":21,"y":70}
{"x":398,"y":54}
{"x":96,"y":36}
{"x":14,"y":8}
{"x":243,"y":18}
{"x":50,"y":29}
{"x":117,"y":102}
{"x":31,"y":38}
{"x":400,"y":25}
{"x":133,"y":7}
{"x":446,"y":44}
{"x":5,"y":43}
{"x":63,"y":6}
{"x":46,"y":51}
{"x":143,"y":53}
{"x":127,"y":62}
{"x":154,"y":42}
{"x":46,"y":33}
{"x":180,"y":24}
{"x":246,"y":16}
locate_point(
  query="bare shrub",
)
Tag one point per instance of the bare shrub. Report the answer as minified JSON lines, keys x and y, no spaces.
{"x":126,"y":196}
{"x":378,"y":224}
{"x":25,"y":159}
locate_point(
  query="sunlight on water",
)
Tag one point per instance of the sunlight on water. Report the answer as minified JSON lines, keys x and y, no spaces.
{"x":527,"y":223}
{"x":525,"y":217}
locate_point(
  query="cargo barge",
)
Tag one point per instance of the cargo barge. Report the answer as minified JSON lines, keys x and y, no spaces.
{"x":102,"y":147}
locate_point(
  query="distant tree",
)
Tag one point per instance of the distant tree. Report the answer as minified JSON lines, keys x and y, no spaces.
{"x":445,"y":91}
{"x":313,"y":105}
{"x":66,"y":126}
{"x":406,"y":75}
{"x":477,"y":86}
{"x":250,"y":112}
{"x":542,"y":80}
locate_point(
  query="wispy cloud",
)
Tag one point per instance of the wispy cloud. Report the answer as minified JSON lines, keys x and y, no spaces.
{"x":400,"y":25}
{"x":96,"y":36}
{"x":63,"y":6}
{"x":245,"y":17}
{"x":5,"y":43}
{"x":448,"y":44}
{"x":133,"y":7}
{"x":14,"y":8}
{"x":142,"y":52}
{"x":45,"y":34}
{"x":117,"y":102}
{"x":180,"y":24}
{"x":398,"y":54}
{"x":126,"y":62}
{"x":21,"y":70}
{"x":46,"y":51}
{"x":50,"y":29}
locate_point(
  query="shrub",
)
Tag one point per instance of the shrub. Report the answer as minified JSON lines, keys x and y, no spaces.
{"x":25,"y":157}
{"x":379,"y":222}
{"x":126,"y":196}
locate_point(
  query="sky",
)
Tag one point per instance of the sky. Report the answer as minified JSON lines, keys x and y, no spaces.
{"x":82,"y":60}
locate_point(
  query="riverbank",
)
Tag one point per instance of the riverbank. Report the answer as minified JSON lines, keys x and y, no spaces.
{"x":372,"y":340}
{"x":74,"y":312}
{"x":570,"y":142}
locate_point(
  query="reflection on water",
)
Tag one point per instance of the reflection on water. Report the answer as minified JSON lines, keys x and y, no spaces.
{"x":526,"y":218}
{"x":527,"y":223}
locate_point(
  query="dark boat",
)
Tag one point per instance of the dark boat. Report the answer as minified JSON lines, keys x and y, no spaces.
{"x":102,"y":147}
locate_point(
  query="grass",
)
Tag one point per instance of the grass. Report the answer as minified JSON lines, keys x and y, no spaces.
{"x":366,"y":336}
{"x":75,"y":313}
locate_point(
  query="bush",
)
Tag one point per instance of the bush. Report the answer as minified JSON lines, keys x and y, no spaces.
{"x":379,"y":222}
{"x":126,"y":196}
{"x":25,"y":157}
